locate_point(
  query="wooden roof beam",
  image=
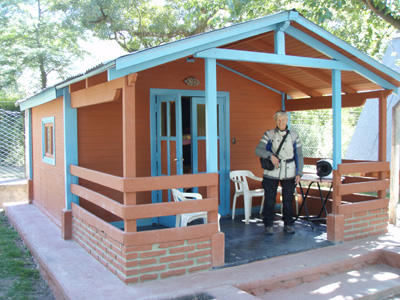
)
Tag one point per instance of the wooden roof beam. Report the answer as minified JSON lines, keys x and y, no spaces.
{"x":325,"y":102}
{"x":100,"y":93}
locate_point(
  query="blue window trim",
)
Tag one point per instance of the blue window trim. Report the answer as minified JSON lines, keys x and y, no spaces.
{"x":48,"y":160}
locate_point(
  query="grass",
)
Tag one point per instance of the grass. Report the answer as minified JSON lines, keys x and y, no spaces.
{"x":19,"y":277}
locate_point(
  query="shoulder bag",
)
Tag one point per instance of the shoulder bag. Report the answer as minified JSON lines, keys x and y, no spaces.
{"x":266,"y":163}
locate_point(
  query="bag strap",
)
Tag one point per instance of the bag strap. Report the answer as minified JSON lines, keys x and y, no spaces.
{"x":280,"y":145}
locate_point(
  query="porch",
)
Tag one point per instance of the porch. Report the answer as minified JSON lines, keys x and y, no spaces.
{"x":137,"y":256}
{"x":248,"y":243}
{"x":73,"y":274}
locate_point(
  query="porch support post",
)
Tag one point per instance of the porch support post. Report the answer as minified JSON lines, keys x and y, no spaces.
{"x":129,"y":141}
{"x":382,"y":127}
{"x":337,"y":118}
{"x":211,"y":115}
{"x":382,"y":137}
{"x":70,"y":147}
{"x":279,"y":41}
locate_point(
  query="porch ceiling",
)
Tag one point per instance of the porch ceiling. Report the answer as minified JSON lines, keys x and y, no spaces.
{"x":300,"y":82}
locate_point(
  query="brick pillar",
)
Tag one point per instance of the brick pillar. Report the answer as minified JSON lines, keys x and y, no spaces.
{"x":30,"y":191}
{"x":66,"y":224}
{"x":335,"y":227}
{"x":218,"y":249}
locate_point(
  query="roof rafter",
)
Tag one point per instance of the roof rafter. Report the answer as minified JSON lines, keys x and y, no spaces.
{"x":268,"y":58}
{"x":263,"y":46}
{"x":326,"y":78}
{"x":314,"y":43}
{"x":249,"y":78}
{"x":281,"y":78}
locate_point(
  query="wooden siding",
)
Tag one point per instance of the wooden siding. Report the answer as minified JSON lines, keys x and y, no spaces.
{"x":100,"y":149}
{"x":247,"y":122}
{"x":48,"y":180}
{"x":100,"y":126}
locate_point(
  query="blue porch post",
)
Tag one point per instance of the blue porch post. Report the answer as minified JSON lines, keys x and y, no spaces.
{"x":70,"y":147}
{"x":211,"y":115}
{"x":337,"y":118}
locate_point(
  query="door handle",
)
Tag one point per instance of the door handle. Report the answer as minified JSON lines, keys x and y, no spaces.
{"x":176,"y":159}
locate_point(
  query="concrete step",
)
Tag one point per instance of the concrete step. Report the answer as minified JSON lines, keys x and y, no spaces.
{"x":370,"y":282}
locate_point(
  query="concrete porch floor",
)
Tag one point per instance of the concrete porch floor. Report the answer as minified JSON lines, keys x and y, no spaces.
{"x":74,"y":274}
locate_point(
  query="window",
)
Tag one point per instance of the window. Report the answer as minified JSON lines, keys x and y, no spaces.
{"x":48,"y":141}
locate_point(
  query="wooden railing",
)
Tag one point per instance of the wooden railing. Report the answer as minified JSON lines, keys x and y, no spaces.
{"x":130,"y":212}
{"x":353,"y":181}
{"x":348,"y":187}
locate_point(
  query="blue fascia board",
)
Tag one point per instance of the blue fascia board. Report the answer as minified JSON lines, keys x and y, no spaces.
{"x":148,"y":58}
{"x":268,"y":58}
{"x":41,"y":98}
{"x":219,"y":36}
{"x":152,"y":59}
{"x":314,"y":43}
{"x":345,"y":46}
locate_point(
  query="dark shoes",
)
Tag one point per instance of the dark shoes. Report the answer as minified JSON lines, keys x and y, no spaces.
{"x":289,"y":229}
{"x":269,"y":230}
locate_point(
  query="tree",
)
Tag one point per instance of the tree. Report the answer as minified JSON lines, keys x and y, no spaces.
{"x":35,"y":41}
{"x":137,"y":24}
{"x":389,"y":11}
{"x":365,"y":24}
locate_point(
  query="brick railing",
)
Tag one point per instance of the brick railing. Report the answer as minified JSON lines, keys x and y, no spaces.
{"x":354,"y":220}
{"x":138,"y":256}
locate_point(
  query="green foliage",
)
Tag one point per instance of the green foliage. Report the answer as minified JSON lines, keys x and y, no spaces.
{"x":138,"y":24}
{"x":35,"y":42}
{"x":351,"y":21}
{"x":39,"y":38}
{"x":8,"y":105}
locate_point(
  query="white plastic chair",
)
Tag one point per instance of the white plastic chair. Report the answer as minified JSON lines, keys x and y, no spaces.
{"x":242,"y":189}
{"x":183,"y":219}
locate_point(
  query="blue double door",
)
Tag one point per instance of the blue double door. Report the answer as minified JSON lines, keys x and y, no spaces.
{"x":179,"y":146}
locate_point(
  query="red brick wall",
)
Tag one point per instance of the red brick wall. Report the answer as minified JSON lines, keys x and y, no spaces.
{"x":358,"y":220}
{"x":141,"y":263}
{"x":364,"y":224}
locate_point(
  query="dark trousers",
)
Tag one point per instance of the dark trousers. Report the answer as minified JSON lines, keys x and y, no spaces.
{"x":270,"y":187}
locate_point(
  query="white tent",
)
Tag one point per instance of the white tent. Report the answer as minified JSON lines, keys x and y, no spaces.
{"x":364,"y":143}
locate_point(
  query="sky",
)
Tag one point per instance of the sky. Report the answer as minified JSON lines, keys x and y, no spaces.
{"x":100,"y":51}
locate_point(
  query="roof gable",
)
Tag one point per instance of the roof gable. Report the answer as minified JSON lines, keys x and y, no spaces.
{"x":284,"y":52}
{"x":304,"y":40}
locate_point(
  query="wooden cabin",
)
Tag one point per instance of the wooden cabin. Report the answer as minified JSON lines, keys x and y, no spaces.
{"x":106,"y":147}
